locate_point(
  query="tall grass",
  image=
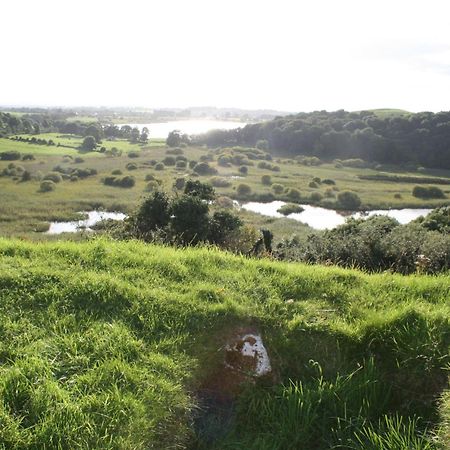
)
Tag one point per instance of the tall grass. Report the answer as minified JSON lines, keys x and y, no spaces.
{"x":105,"y":345}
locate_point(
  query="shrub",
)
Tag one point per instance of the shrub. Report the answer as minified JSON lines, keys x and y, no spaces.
{"x":355,"y":162}
{"x":26,"y":176}
{"x":181,"y":164}
{"x":243,"y":189}
{"x":169,"y":161}
{"x":133,"y":155}
{"x":28,"y":157}
{"x":192,"y":164}
{"x":328,"y":181}
{"x":243,"y":170}
{"x":329,"y":193}
{"x":317,"y":180}
{"x":209,"y":157}
{"x":349,"y":200}
{"x":309,"y":160}
{"x":203,"y":168}
{"x":179,"y":183}
{"x":224,"y":161}
{"x":266,"y":180}
{"x":427,"y":192}
{"x":294,"y":194}
{"x":160,"y":166}
{"x":47,"y":186}
{"x":224,"y":202}
{"x":290,"y":208}
{"x":189,"y":222}
{"x":221,"y":225}
{"x":313,"y":185}
{"x":127,"y":181}
{"x":53,"y":176}
{"x":174,"y":151}
{"x":78,"y":160}
{"x":316,"y":196}
{"x":152,"y":186}
{"x":397,"y":195}
{"x":262,"y":144}
{"x":277,"y":188}
{"x":10,"y":156}
{"x":74,"y":178}
{"x":220,"y":182}
{"x":199,"y":189}
{"x":153,"y":214}
{"x":131,"y":166}
{"x":116,"y":172}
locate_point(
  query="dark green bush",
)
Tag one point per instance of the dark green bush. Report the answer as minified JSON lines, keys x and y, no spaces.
{"x":10,"y":156}
{"x":266,"y":180}
{"x":169,"y":161}
{"x":428,"y":192}
{"x":220,"y":182}
{"x":131,"y":166}
{"x":53,"y":176}
{"x":47,"y":186}
{"x":203,"y":168}
{"x":349,"y":200}
{"x":243,"y":190}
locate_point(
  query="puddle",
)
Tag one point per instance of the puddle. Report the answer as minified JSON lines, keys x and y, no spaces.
{"x":92,"y":218}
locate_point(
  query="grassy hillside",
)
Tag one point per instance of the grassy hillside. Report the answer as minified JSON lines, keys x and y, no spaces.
{"x":121,"y":346}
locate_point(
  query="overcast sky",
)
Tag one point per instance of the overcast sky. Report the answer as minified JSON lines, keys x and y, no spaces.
{"x":290,"y":55}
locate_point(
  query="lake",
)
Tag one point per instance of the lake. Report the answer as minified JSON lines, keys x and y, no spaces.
{"x":162,"y":129}
{"x":326,"y":219}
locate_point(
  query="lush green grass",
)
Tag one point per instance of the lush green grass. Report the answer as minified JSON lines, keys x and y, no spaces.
{"x":105,"y":345}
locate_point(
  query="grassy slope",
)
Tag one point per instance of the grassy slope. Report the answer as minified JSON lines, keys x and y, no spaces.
{"x":103,"y":345}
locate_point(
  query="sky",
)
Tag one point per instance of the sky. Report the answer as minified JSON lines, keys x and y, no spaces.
{"x":288,"y":55}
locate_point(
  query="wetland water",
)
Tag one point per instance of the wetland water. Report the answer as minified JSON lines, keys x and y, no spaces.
{"x":162,"y":129}
{"x":314,"y":216}
{"x":92,"y":217}
{"x":326,"y":219}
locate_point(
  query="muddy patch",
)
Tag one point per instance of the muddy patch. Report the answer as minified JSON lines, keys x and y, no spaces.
{"x":245,"y":360}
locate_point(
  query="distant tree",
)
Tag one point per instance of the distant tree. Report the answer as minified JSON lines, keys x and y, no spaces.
{"x":94,"y":131}
{"x":144,"y":135}
{"x":134,"y":135}
{"x":89,"y":143}
{"x":174,"y":138}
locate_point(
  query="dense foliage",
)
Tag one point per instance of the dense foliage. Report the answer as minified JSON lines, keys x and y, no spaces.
{"x":184,"y":219}
{"x":379,"y":243}
{"x":422,"y":139}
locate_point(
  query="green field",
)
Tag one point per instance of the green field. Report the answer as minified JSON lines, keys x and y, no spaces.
{"x":109,"y":345}
{"x":24,"y":208}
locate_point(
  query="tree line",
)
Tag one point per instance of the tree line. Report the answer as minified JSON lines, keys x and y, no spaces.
{"x":421,"y":139}
{"x":36,"y":123}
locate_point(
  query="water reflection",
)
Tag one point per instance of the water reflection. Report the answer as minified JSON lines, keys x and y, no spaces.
{"x":162,"y":129}
{"x":326,"y":219}
{"x":92,"y":218}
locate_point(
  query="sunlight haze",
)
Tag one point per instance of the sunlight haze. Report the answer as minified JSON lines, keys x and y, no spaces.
{"x":284,"y":55}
